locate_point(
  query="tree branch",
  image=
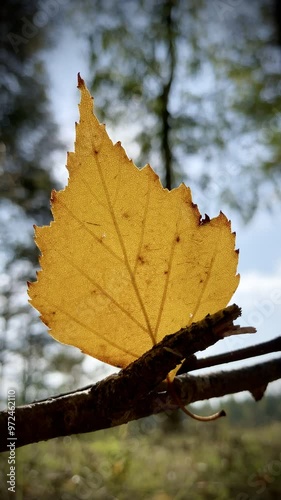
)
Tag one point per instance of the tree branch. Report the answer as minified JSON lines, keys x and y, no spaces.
{"x":191,"y":388}
{"x":134,"y":393}
{"x":192,"y":363}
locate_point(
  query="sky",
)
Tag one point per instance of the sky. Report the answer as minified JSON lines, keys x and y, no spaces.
{"x":259,"y":242}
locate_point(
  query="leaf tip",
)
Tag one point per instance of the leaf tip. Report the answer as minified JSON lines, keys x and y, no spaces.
{"x":81,"y":82}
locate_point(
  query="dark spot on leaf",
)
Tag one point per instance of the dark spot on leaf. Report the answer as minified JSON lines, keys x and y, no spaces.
{"x":141,"y":260}
{"x":126,"y":215}
{"x":177,"y":238}
{"x":92,"y":223}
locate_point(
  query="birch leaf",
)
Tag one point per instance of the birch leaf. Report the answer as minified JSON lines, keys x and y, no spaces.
{"x":125,"y":261}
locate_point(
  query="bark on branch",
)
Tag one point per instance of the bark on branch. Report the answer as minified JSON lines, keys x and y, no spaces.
{"x":134,"y":392}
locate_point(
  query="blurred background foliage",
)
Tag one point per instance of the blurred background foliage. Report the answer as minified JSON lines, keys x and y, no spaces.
{"x":195,"y":84}
{"x":199,"y":84}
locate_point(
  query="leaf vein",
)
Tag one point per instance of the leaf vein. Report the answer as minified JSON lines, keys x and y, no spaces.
{"x":102,"y":290}
{"x":131,"y":274}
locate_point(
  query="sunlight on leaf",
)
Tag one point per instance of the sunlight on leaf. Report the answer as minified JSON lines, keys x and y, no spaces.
{"x":125,"y":261}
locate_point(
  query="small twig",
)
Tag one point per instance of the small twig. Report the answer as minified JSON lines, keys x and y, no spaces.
{"x":192,"y":363}
{"x":194,"y":416}
{"x":240,"y":330}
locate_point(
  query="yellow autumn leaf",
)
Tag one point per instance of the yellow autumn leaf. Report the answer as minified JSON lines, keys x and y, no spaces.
{"x":125,"y":261}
